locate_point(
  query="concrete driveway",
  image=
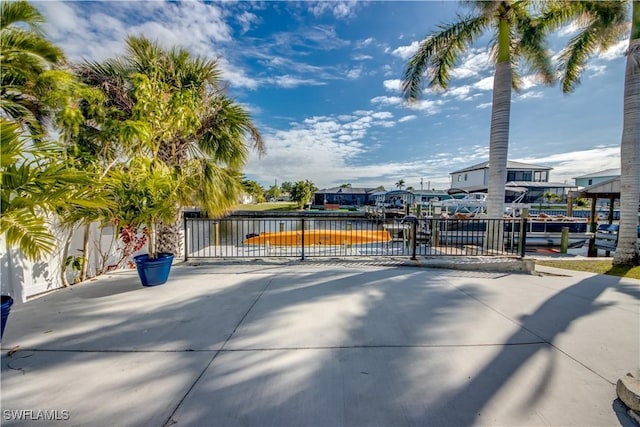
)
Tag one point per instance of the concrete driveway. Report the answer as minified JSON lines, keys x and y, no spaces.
{"x":324,"y":344}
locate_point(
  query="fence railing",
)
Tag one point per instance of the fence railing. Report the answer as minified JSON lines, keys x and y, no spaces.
{"x":304,"y":237}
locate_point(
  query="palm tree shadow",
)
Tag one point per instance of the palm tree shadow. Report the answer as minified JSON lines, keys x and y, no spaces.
{"x":554,"y":317}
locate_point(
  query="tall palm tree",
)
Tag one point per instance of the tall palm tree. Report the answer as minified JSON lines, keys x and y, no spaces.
{"x":602,"y":24}
{"x":36,"y":180}
{"x":517,"y":37}
{"x":170,"y":105}
{"x":400,"y":184}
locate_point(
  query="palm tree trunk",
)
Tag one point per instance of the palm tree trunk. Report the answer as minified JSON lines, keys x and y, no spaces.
{"x":85,"y":252}
{"x":170,"y":237}
{"x":65,"y":253}
{"x":498,"y":149}
{"x":627,"y":249}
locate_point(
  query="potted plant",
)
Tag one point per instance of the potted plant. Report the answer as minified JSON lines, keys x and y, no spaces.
{"x":146,"y":191}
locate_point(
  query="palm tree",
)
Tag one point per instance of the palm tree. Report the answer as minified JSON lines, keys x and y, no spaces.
{"x":170,"y":105}
{"x":602,"y":24}
{"x":25,"y":55}
{"x":35,"y":182}
{"x":400,"y":183}
{"x":517,"y":36}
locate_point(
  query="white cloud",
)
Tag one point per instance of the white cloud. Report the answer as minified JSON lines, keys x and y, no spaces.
{"x":407,"y":118}
{"x":388,"y":70}
{"x":484,"y":105}
{"x":484,"y":84}
{"x":406,"y":52}
{"x":570,"y":29}
{"x":427,"y":106}
{"x":288,"y":81}
{"x":529,"y":81}
{"x":236,"y":76}
{"x":382,"y":115}
{"x":320,"y":148}
{"x":387,"y":100}
{"x":473,"y":64}
{"x":246,"y":19}
{"x":366,"y":42}
{"x":595,"y":70}
{"x":529,"y":95}
{"x":354,"y":73}
{"x":339,"y":9}
{"x":615,"y":52}
{"x":394,"y":85}
{"x":361,"y":57}
{"x":568,"y":165}
{"x":461,"y":92}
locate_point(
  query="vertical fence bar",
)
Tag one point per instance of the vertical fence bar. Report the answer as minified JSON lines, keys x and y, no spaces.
{"x":414,"y":239}
{"x":302,"y":251}
{"x":523,"y":236}
{"x":186,"y":247}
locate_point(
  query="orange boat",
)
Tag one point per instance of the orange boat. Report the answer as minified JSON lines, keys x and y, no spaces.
{"x":319,"y":237}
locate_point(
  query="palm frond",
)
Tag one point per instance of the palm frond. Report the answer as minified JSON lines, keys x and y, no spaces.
{"x":13,"y":12}
{"x":28,"y":231}
{"x":438,"y":53}
{"x":602,"y":24}
{"x":532,"y":46}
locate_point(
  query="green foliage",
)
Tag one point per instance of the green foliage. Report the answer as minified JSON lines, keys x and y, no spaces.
{"x":36,"y":182}
{"x":581,"y":202}
{"x":254,"y":189}
{"x":601,"y":24}
{"x":519,"y":37}
{"x":75,"y":263}
{"x":302,"y":191}
{"x":273,"y":192}
{"x":145,"y":192}
{"x":594,"y":266}
{"x":400,"y":184}
{"x":170,"y":106}
{"x":287,"y":186}
{"x":551,"y":197}
{"x":25,"y":55}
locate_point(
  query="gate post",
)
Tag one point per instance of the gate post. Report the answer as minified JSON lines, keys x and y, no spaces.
{"x":186,"y":240}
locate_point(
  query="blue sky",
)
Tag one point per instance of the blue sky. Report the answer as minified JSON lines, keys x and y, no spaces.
{"x":321,"y":80}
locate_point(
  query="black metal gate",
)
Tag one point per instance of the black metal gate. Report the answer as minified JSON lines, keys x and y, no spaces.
{"x":304,"y":237}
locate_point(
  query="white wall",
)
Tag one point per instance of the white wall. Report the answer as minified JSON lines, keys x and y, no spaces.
{"x":468,"y":179}
{"x":23,"y":279}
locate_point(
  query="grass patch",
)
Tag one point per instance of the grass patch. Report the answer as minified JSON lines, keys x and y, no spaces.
{"x":594,"y":266}
{"x":269,"y":206}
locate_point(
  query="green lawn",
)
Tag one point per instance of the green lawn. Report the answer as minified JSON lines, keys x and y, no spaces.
{"x":594,"y":266}
{"x":269,"y":206}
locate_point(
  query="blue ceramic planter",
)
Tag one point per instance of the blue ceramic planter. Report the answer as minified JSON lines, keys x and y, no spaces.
{"x":155,"y":271}
{"x":7,"y":302}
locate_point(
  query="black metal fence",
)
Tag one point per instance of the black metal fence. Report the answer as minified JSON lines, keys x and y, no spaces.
{"x":305,"y":237}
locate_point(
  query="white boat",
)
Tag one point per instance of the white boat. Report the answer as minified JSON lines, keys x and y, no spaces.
{"x":472,"y":203}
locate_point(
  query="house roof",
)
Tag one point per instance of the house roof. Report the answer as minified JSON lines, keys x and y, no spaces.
{"x":602,"y":174}
{"x":346,"y":190}
{"x":510,"y":165}
{"x":536,"y":184}
{"x":608,"y":188}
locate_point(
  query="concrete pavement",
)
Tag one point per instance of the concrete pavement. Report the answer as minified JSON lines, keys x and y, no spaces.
{"x":324,"y":344}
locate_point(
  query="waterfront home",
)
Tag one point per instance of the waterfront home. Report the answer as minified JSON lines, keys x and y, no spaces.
{"x":534,"y":179}
{"x":596,"y":177}
{"x":345,"y":196}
